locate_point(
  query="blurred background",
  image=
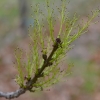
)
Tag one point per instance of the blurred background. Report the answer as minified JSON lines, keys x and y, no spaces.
{"x":83,"y":83}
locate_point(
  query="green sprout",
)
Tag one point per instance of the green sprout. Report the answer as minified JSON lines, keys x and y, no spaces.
{"x":47,"y":50}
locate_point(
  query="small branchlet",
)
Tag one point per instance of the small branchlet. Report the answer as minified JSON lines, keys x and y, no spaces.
{"x":44,"y":57}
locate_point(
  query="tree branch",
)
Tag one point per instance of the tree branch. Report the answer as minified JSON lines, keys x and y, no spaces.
{"x":29,"y":84}
{"x":11,"y":95}
{"x":45,"y":64}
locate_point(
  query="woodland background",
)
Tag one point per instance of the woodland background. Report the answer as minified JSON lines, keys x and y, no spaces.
{"x":83,"y":83}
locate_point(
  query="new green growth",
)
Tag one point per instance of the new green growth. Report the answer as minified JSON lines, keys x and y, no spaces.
{"x":47,"y":49}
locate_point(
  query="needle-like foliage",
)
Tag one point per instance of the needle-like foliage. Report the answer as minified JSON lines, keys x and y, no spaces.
{"x":48,"y":50}
{"x":43,"y":64}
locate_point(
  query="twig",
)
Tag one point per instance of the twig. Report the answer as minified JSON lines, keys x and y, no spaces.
{"x":12,"y":95}
{"x":29,"y":85}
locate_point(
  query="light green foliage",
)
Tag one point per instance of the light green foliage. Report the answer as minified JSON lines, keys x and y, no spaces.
{"x":47,"y":51}
{"x":20,"y":77}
